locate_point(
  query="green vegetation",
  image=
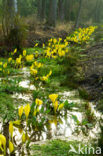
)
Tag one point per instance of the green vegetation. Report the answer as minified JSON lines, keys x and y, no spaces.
{"x":48,"y":74}
{"x":7,"y":104}
{"x":57,"y":148}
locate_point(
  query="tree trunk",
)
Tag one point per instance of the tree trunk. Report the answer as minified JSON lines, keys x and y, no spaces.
{"x":97,"y":11}
{"x":39,"y":9}
{"x":9,"y":12}
{"x":52,"y":15}
{"x":61,"y":10}
{"x":67,"y":9}
{"x":15,"y":6}
{"x":13,"y":34}
{"x":78,"y":15}
{"x":43,"y":11}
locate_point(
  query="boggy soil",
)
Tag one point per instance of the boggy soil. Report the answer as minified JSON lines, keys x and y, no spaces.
{"x":93,"y":71}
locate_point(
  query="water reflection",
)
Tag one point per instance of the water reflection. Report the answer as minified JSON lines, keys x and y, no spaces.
{"x":56,"y":129}
{"x":62,"y":127}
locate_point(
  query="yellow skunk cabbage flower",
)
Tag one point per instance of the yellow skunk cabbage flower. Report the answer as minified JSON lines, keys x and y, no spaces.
{"x":54,"y":40}
{"x":20,"y":56}
{"x":20,"y":111}
{"x":36,"y":45}
{"x":11,"y":129}
{"x":11,"y":146}
{"x":24,"y":137}
{"x":49,"y":73}
{"x":15,"y":51}
{"x":44,"y":78}
{"x":4,"y":65}
{"x":55,"y":104}
{"x":18,"y":61}
{"x":37,"y":64}
{"x":36,"y":111}
{"x":3,"y":143}
{"x":36,"y":78}
{"x":38,"y":102}
{"x":27,"y":110}
{"x":61,"y":106}
{"x":17,"y":122}
{"x":33,"y":72}
{"x":53,"y":97}
{"x":9,"y":59}
{"x":29,"y":58}
{"x":24,"y":52}
{"x":1,"y":63}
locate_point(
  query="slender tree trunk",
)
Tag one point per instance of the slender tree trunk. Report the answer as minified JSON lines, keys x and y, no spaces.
{"x":13,"y":35}
{"x":78,"y":15}
{"x":9,"y":12}
{"x":61,"y":10}
{"x":43,"y":11}
{"x":51,"y":20}
{"x":97,"y":11}
{"x":15,"y":6}
{"x":67,"y":9}
{"x":39,"y":9}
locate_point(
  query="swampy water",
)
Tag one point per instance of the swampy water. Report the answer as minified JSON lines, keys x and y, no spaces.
{"x":68,"y":128}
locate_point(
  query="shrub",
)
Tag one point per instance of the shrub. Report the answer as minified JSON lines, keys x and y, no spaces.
{"x":17,"y":35}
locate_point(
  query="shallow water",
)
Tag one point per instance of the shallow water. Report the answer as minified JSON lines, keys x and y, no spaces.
{"x":66,"y":130}
{"x":25,"y":97}
{"x":26,"y":84}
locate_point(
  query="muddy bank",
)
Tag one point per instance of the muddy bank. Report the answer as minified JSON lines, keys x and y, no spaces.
{"x":93,"y":71}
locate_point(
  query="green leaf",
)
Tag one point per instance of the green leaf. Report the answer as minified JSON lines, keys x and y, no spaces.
{"x":84,"y":122}
{"x":75,"y":119}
